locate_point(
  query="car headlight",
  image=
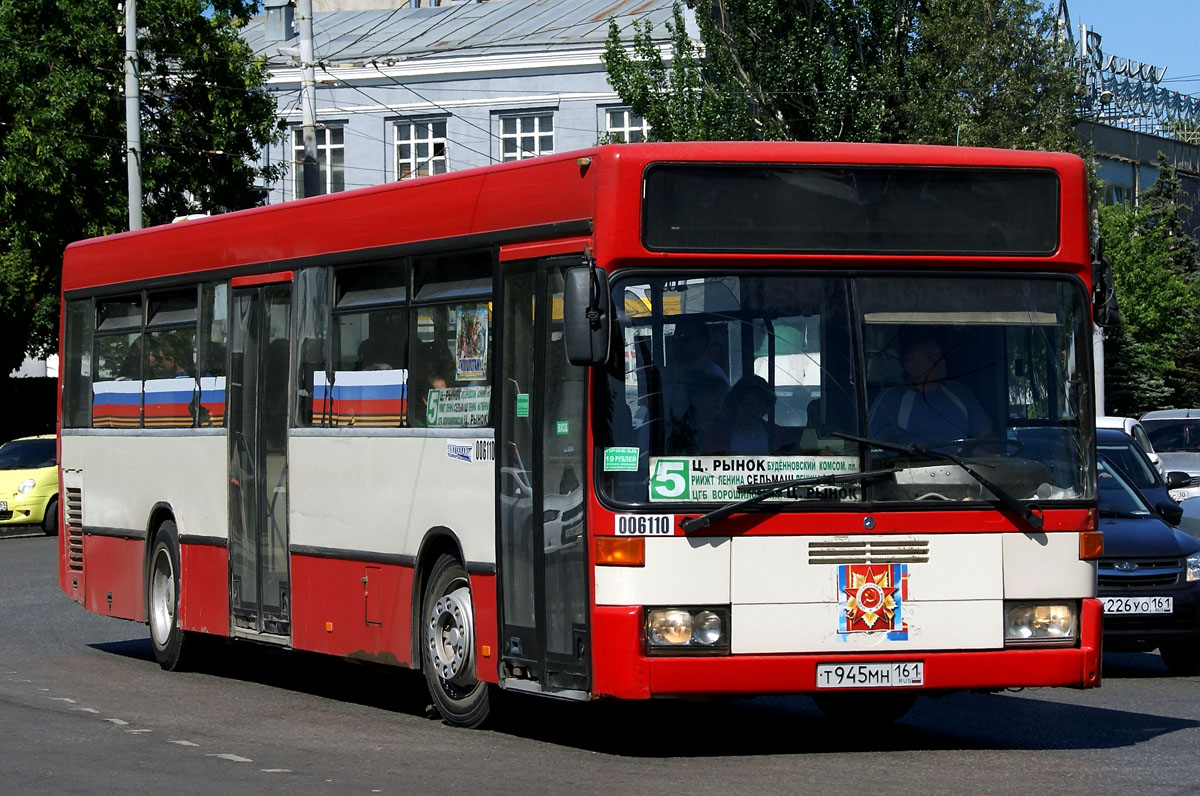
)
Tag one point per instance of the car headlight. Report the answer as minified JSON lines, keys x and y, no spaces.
{"x":1193,"y":567}
{"x":688,"y":631}
{"x":26,"y":485}
{"x":1039,"y":622}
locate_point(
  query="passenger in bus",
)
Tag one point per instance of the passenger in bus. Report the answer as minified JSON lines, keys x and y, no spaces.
{"x":693,"y":386}
{"x":741,"y":427}
{"x":431,"y":370}
{"x":374,"y":354}
{"x":929,"y":407}
{"x":173,"y":364}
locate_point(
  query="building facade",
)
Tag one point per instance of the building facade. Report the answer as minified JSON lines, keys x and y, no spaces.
{"x":413,"y":91}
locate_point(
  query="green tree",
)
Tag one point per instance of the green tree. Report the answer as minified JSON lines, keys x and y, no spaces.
{"x":931,"y":71}
{"x":988,"y":74}
{"x":205,"y":119}
{"x":1156,"y":273}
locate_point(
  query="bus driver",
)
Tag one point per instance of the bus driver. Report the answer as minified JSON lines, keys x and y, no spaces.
{"x":929,"y":407}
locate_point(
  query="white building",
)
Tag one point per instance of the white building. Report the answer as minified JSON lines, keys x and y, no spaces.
{"x":412,"y":91}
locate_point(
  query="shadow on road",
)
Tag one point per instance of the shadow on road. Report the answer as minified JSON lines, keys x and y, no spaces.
{"x":1134,"y":665}
{"x":718,"y":727}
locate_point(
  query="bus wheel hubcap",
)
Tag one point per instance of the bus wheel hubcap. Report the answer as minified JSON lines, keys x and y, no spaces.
{"x":162,"y":599}
{"x":451,"y":636}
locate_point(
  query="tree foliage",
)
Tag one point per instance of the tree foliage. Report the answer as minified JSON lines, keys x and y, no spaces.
{"x":925,"y":71}
{"x":205,"y":119}
{"x":1152,"y":360}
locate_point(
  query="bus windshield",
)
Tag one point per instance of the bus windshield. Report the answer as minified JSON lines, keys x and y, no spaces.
{"x":721,"y":381}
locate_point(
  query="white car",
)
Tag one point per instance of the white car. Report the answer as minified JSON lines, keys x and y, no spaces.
{"x":1175,"y":434}
{"x":1133,"y":427}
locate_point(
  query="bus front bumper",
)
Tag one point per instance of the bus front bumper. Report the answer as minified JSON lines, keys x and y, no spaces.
{"x":622,"y":669}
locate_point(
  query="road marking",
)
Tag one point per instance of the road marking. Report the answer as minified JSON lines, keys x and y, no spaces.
{"x":231,"y":757}
{"x":62,"y":699}
{"x":118,"y":722}
{"x":275,"y":770}
{"x":184,"y":743}
{"x":87,"y":710}
{"x":138,"y":731}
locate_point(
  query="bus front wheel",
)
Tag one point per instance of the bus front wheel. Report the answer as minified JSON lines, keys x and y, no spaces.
{"x":174,"y":648}
{"x":448,"y":646}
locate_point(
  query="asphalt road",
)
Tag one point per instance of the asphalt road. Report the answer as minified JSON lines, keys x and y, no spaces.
{"x":85,"y":709}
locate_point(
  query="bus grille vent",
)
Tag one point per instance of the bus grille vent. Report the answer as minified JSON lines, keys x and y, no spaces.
{"x":869,"y":552}
{"x":73,"y":517}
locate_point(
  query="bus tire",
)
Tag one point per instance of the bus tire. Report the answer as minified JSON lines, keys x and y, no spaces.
{"x":448,"y":646}
{"x":1181,"y":658}
{"x":174,"y":648}
{"x":50,"y":520}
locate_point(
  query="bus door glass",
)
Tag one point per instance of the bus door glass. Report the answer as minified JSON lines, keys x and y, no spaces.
{"x":540,"y":452}
{"x":258,"y":390}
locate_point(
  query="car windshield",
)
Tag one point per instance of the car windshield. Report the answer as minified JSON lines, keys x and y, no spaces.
{"x":721,"y":381}
{"x":1173,"y":435}
{"x":1125,"y":455}
{"x":27,"y":454}
{"x":1115,"y":496}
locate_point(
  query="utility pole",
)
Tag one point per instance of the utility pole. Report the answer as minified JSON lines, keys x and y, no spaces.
{"x":308,"y":100}
{"x":133,"y":117}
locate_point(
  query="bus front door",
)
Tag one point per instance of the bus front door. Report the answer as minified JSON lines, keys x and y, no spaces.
{"x":540,"y":454}
{"x":258,"y":424}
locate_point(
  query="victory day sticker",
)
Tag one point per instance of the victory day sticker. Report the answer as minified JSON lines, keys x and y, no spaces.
{"x":716,"y":478}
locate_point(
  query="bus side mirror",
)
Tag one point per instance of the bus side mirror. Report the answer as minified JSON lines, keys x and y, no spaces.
{"x":586,"y":314}
{"x":1104,"y":292}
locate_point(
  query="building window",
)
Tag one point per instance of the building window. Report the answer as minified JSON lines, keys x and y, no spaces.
{"x":331,"y":156}
{"x":623,"y":125}
{"x":420,"y":148}
{"x":526,"y":136}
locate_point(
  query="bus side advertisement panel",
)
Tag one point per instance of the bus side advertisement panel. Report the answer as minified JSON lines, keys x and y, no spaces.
{"x":352,"y":608}
{"x":116,"y":577}
{"x":204,"y":588}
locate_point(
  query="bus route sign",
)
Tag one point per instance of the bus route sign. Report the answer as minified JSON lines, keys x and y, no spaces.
{"x":716,"y":478}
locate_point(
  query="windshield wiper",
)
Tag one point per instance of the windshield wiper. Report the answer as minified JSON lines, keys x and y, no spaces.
{"x":770,"y":490}
{"x":1022,"y":510}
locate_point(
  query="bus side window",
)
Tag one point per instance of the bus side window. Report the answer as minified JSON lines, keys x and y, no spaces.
{"x":311,"y":303}
{"x":451,"y":333}
{"x":370,"y":326}
{"x":77,"y":367}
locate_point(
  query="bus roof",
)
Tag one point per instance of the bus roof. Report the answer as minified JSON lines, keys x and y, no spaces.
{"x":541,"y":198}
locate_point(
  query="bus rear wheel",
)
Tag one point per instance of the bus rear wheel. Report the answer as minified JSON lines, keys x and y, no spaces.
{"x":174,"y":648}
{"x":448,"y":646}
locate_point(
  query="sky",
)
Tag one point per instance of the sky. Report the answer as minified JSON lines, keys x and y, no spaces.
{"x":1158,"y":32}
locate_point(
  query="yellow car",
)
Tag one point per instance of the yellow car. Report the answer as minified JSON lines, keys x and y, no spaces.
{"x":29,"y":483}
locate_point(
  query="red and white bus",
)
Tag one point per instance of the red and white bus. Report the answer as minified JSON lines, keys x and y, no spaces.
{"x":634,"y":421}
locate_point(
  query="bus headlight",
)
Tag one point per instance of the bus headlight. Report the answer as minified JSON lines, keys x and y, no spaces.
{"x":26,"y":485}
{"x":687,"y":631}
{"x":1193,"y":567}
{"x":1039,"y":622}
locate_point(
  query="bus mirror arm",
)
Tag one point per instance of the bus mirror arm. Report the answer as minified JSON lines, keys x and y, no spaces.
{"x":586,"y":313}
{"x":1104,"y":297}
